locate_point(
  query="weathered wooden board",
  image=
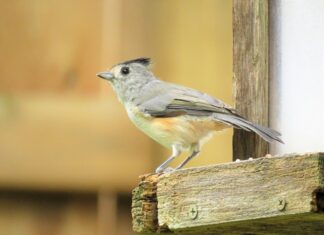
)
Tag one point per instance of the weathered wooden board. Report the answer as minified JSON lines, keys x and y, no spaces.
{"x":250,"y":73}
{"x":271,"y":195}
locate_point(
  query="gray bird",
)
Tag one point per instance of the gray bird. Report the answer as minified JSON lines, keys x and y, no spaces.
{"x":177,"y":117}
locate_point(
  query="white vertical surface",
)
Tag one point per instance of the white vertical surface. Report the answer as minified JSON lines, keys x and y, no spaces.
{"x":297,"y":74}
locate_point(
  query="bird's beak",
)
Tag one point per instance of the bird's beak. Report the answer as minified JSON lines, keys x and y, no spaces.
{"x":106,"y":75}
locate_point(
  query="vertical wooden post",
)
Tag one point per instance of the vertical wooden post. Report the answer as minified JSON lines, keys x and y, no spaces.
{"x":251,"y":73}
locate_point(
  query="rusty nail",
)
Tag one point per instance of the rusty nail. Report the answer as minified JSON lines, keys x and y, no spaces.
{"x":193,"y":212}
{"x":282,"y":204}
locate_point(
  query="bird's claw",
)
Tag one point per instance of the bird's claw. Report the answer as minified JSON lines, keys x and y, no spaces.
{"x":168,"y":169}
{"x":165,"y":170}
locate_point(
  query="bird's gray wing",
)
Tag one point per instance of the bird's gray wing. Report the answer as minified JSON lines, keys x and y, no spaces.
{"x":171,"y":100}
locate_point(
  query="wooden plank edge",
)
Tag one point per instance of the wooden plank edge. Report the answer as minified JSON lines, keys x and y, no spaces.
{"x":145,"y":204}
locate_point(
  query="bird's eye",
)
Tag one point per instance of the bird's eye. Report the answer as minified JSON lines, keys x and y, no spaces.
{"x":125,"y":70}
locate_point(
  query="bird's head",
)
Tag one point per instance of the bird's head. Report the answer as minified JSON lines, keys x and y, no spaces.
{"x":129,"y":69}
{"x":128,"y":75}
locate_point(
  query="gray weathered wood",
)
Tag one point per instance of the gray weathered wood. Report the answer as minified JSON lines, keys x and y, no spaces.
{"x":250,"y":68}
{"x":271,"y":195}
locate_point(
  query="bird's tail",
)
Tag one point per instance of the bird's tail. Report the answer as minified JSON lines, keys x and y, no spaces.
{"x":241,"y":123}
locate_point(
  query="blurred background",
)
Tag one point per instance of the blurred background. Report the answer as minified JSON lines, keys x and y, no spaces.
{"x":69,"y":156}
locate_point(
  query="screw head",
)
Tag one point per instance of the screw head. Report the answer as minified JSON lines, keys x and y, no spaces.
{"x":281,"y":204}
{"x":193,"y":212}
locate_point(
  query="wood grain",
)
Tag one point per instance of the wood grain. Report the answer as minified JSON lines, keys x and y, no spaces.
{"x":250,"y":68}
{"x":144,"y":205}
{"x":272,"y":195}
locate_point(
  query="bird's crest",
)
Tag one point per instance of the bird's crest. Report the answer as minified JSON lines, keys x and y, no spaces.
{"x":143,"y":61}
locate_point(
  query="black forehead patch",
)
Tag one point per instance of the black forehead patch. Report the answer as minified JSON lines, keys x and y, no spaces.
{"x":144,"y":61}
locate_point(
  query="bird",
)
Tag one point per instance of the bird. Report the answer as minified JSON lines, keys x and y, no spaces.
{"x":177,"y":117}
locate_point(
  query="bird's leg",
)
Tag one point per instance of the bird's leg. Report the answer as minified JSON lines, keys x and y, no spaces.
{"x":163,"y":166}
{"x":194,"y":153}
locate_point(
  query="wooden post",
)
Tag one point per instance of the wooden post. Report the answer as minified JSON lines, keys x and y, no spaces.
{"x":251,"y":79}
{"x":278,"y":195}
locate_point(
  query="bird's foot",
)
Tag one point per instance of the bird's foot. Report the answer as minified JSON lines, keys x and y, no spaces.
{"x":168,"y":169}
{"x":164,"y":170}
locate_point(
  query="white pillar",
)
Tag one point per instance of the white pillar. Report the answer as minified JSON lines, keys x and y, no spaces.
{"x":297,"y":74}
